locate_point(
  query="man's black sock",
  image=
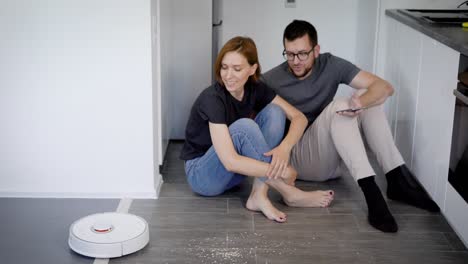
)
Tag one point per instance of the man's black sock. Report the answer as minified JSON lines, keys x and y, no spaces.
{"x":403,"y":187}
{"x":379,"y":215}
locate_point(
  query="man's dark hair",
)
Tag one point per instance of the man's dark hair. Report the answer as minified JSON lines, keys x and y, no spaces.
{"x":297,"y":29}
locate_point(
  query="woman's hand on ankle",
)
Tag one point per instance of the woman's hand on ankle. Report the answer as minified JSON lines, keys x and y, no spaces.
{"x":279,"y":161}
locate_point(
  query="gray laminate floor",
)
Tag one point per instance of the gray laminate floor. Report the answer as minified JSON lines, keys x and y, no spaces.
{"x":187,"y":228}
{"x":36,"y":230}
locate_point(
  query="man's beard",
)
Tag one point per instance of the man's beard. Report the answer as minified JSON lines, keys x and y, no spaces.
{"x":306,"y":71}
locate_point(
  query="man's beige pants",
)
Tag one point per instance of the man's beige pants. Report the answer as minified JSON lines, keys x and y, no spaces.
{"x":333,"y":137}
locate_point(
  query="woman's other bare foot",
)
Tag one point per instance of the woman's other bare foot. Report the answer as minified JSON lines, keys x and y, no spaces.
{"x":299,"y":198}
{"x":295,"y":197}
{"x":259,"y":202}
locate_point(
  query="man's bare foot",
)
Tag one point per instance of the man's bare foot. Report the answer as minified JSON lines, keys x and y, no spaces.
{"x":258,"y":202}
{"x":299,"y":198}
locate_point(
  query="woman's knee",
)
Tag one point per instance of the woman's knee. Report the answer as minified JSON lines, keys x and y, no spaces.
{"x":273,"y":111}
{"x":244,"y":127}
{"x":272,"y":116}
{"x":249,"y":140}
{"x":243,"y":124}
{"x":272,"y":121}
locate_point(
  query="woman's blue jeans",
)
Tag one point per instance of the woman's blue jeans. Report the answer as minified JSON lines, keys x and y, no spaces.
{"x":207,"y":176}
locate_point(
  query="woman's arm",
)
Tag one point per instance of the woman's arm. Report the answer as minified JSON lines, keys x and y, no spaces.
{"x":298,"y":122}
{"x":234,"y":162}
{"x":280,"y":159}
{"x":229,"y":157}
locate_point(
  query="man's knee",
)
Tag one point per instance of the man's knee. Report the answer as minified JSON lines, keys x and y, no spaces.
{"x":374,"y":112}
{"x":339,"y":104}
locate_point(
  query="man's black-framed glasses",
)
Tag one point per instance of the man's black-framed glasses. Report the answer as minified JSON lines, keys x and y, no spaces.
{"x":301,"y":55}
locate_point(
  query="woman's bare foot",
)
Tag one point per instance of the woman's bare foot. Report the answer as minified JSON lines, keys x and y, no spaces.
{"x":260,"y":203}
{"x":299,"y":198}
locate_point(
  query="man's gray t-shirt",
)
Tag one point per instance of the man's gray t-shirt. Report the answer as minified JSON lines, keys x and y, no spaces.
{"x":315,"y":92}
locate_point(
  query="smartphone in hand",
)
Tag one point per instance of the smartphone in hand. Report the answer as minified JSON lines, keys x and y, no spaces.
{"x":351,"y":110}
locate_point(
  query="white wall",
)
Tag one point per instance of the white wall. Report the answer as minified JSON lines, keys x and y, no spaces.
{"x":264,"y":21}
{"x":345,"y":27}
{"x":188,"y":64}
{"x":366,"y":33}
{"x":76,"y":98}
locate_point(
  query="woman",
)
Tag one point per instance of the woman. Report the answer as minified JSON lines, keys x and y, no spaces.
{"x":223,"y":144}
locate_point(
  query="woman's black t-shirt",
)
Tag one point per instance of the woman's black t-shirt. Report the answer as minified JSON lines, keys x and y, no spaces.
{"x":216,"y":105}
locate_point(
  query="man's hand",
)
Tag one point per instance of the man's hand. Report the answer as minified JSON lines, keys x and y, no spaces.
{"x":279,"y":162}
{"x":355,"y":107}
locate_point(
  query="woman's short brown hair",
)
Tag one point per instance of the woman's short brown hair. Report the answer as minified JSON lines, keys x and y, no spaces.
{"x":246,"y":47}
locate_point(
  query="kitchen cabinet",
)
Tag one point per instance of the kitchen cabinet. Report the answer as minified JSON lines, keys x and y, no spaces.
{"x":408,"y":59}
{"x":424,"y":74}
{"x":435,"y":110}
{"x":392,"y":72}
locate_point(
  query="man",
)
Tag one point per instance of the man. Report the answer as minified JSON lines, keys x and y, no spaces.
{"x":309,"y":81}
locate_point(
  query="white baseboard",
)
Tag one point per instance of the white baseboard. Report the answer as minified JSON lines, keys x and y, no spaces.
{"x":84,"y":195}
{"x":158,"y":182}
{"x":147,"y":194}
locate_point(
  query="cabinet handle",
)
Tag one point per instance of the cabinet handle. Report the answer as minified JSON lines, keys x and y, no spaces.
{"x":218,"y":24}
{"x":460,"y":96}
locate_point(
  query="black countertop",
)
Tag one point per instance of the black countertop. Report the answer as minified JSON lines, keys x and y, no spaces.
{"x":454,"y":37}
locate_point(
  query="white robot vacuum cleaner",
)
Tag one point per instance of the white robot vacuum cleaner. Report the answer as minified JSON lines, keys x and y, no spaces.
{"x":108,"y":235}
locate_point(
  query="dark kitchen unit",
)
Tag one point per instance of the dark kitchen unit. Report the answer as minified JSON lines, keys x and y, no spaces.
{"x":458,"y":168}
{"x":456,"y":200}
